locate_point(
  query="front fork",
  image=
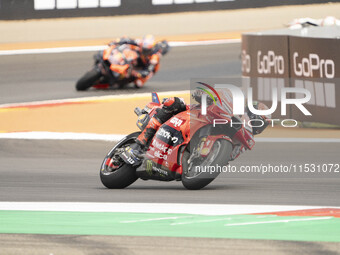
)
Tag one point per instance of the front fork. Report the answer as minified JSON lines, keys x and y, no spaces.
{"x":104,"y":67}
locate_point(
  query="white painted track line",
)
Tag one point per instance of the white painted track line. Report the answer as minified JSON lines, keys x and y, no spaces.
{"x":61,"y":136}
{"x":277,"y":221}
{"x":34,"y":135}
{"x":200,"y":209}
{"x":296,"y":140}
{"x":92,"y":99}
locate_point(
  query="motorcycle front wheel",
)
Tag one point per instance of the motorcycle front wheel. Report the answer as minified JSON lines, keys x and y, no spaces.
{"x":125,"y":174}
{"x":88,"y":80}
{"x":197,"y":172}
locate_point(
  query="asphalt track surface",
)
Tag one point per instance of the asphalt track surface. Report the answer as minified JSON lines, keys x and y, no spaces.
{"x":54,"y":171}
{"x":34,"y":77}
{"x":69,"y":171}
{"x":102,"y":245}
{"x":61,"y":171}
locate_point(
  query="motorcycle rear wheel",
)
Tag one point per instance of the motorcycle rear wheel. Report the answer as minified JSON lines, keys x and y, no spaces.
{"x":223,"y":150}
{"x":88,"y":80}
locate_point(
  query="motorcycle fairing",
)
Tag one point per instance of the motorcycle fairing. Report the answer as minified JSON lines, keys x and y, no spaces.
{"x":107,"y":52}
{"x":151,"y":170}
{"x":162,"y":154}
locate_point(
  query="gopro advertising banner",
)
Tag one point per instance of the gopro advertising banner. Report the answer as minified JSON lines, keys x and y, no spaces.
{"x":265,"y":67}
{"x":304,"y":65}
{"x":315,"y":66}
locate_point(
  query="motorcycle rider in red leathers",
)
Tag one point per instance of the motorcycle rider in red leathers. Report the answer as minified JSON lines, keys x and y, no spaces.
{"x":149,"y":57}
{"x":172,"y":106}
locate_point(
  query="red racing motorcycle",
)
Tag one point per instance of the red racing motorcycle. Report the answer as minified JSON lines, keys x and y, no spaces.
{"x":181,"y":149}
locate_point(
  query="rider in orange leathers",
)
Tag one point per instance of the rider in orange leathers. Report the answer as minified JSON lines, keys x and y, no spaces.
{"x":149,"y":57}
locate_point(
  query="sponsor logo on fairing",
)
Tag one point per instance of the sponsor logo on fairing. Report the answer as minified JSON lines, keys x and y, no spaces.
{"x":176,"y":121}
{"x":159,"y":155}
{"x":151,"y":167}
{"x":161,"y":147}
{"x":159,"y":170}
{"x":127,"y":158}
{"x":166,"y":134}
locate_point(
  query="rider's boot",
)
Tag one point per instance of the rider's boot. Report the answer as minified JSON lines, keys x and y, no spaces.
{"x":136,"y":150}
{"x":134,"y":153}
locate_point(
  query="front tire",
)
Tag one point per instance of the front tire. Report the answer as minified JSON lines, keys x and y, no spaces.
{"x":119,"y":179}
{"x":194,"y":181}
{"x":88,"y":80}
{"x":124,"y":175}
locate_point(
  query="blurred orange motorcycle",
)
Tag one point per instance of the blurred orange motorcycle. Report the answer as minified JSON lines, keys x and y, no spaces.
{"x":117,"y":66}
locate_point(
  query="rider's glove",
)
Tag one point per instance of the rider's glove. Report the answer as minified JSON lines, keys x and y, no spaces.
{"x":140,"y":74}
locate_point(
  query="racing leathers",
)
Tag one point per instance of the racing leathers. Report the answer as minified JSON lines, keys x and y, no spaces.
{"x":147,"y":62}
{"x":172,"y":106}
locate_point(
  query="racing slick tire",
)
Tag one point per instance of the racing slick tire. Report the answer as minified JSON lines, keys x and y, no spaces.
{"x":124,"y":175}
{"x":88,"y":80}
{"x":223,"y":150}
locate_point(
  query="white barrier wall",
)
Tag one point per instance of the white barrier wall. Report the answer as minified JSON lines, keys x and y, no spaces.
{"x":74,"y":4}
{"x":36,"y":9}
